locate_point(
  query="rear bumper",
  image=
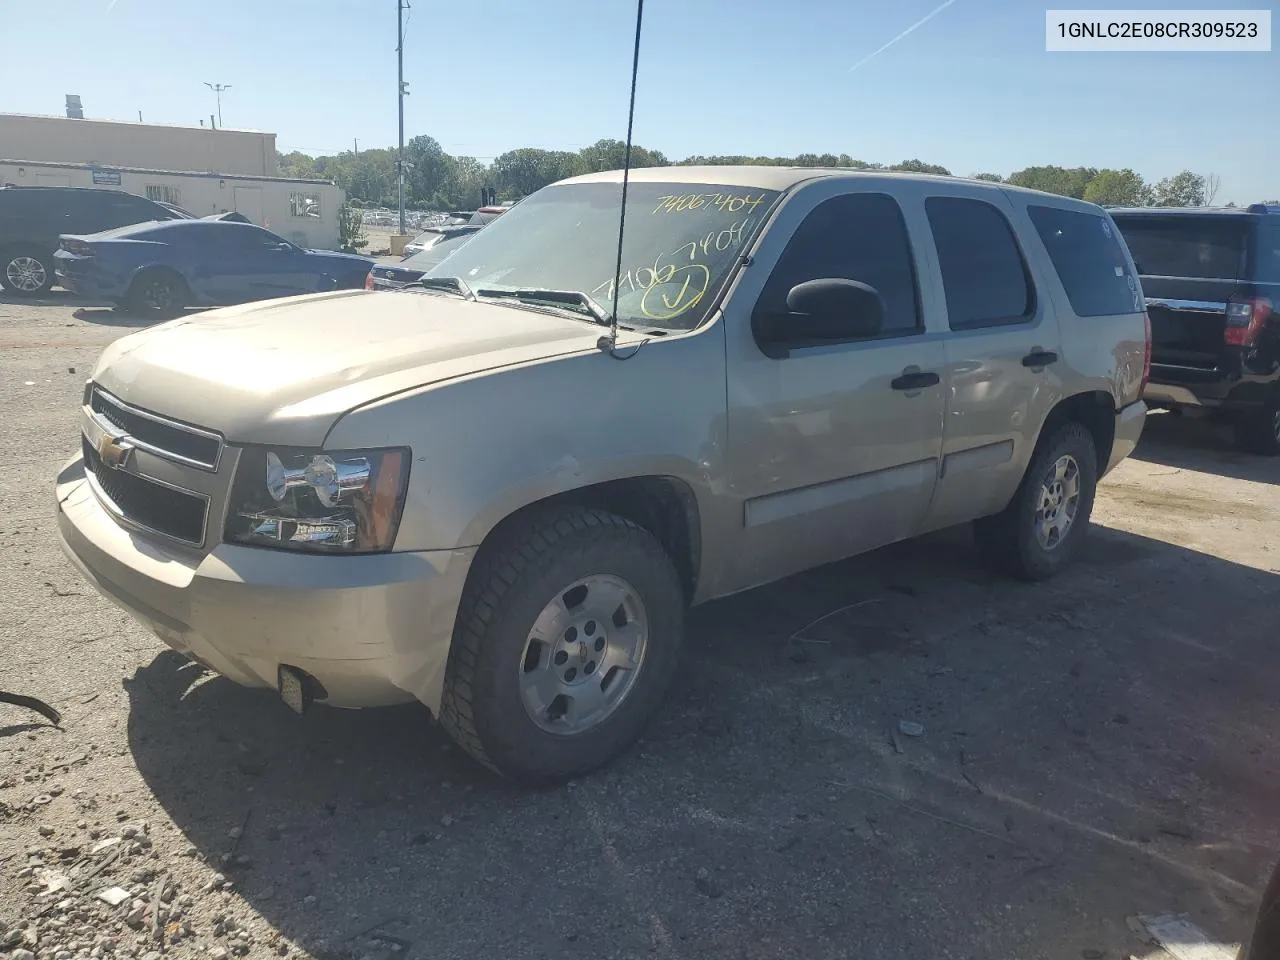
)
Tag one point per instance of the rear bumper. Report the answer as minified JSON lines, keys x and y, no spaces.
{"x":1129,"y":424}
{"x":1175,"y":387}
{"x":373,"y":630}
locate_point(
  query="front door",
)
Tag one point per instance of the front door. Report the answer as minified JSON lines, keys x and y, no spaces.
{"x":1002,"y":354}
{"x":832,"y":449}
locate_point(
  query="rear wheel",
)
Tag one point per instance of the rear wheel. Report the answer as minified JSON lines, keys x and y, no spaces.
{"x":158,"y":291}
{"x":566,"y":640}
{"x":1041,"y":530}
{"x":1259,"y":431}
{"x":26,"y":271}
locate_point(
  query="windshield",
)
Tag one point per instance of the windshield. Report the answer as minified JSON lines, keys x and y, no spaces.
{"x":1197,"y":246}
{"x":680,"y":245}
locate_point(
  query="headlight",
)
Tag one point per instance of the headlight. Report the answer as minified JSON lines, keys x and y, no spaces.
{"x":328,"y":501}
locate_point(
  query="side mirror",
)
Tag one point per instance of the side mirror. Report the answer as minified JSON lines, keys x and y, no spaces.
{"x":829,"y":310}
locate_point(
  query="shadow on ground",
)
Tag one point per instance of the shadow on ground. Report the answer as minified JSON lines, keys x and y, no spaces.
{"x":115,"y":317}
{"x":1093,"y":748}
{"x":1202,"y":444}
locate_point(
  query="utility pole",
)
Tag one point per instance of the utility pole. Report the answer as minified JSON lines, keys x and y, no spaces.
{"x":400,"y":7}
{"x":355,"y":146}
{"x":217,"y":88}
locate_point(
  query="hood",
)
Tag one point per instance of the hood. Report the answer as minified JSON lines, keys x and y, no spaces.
{"x":283,"y":371}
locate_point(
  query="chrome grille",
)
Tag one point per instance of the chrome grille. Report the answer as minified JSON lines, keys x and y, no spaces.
{"x":163,"y":437}
{"x":147,"y":503}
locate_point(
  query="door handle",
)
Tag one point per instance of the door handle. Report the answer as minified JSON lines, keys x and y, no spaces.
{"x":1039,"y":358}
{"x":915,"y":380}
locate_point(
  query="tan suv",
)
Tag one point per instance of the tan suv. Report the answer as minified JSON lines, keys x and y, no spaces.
{"x":472,"y":496}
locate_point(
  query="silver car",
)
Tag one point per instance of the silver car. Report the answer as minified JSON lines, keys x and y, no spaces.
{"x":478,"y":497}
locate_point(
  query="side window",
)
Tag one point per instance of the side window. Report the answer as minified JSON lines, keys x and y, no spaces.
{"x":857,"y":236}
{"x":986,"y":280}
{"x":124,"y":210}
{"x":1086,"y":253}
{"x":1267,"y":269}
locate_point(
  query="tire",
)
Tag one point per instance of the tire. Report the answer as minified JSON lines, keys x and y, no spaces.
{"x":511,"y":700}
{"x":1010,"y":542}
{"x":159,"y":292}
{"x":1259,"y":431}
{"x":26,"y":271}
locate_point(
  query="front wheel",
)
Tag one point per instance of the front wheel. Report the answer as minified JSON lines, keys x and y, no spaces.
{"x":1042,"y":528}
{"x":567,"y":638}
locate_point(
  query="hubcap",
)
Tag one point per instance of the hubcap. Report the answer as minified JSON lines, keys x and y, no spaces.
{"x":26,"y":274}
{"x":1059,"y":500}
{"x":583,"y":655}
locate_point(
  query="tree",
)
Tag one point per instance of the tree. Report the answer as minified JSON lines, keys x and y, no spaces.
{"x":611,"y":155}
{"x":1118,"y":187}
{"x":1060,"y":180}
{"x":519,"y":173}
{"x":992,"y":177}
{"x":1212,"y":184}
{"x":429,"y":178}
{"x":351,"y":228}
{"x":1185,"y":189}
{"x":919,"y":166}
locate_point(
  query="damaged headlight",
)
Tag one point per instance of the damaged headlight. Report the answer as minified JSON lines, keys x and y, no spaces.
{"x":318,"y":501}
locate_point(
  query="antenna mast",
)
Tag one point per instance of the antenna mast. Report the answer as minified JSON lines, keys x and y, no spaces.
{"x":626,"y":177}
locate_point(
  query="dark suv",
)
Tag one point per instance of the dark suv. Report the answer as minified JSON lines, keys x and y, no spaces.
{"x":1211,"y":278}
{"x":32,"y":218}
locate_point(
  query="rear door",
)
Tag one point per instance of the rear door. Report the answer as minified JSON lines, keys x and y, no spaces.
{"x":1190,"y":267}
{"x":1002,"y":348}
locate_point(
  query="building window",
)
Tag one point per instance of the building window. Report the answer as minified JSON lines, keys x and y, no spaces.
{"x":164,"y":194}
{"x":304,"y":205}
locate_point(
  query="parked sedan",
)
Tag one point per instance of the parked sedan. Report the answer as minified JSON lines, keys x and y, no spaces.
{"x":434,"y":235}
{"x":163,"y":267}
{"x":396,"y":276}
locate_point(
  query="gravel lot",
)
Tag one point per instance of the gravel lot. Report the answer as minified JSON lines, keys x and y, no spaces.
{"x":1093,"y":749}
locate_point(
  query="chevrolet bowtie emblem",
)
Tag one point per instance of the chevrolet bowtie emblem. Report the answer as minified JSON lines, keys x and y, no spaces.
{"x":114,"y":453}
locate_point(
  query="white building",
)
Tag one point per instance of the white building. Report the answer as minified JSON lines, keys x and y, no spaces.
{"x":200,"y":169}
{"x":304,"y":211}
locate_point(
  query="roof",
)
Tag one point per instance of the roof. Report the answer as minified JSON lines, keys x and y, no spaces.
{"x":113,"y":168}
{"x":1254,"y":209}
{"x":784,"y":178}
{"x":134,"y":123}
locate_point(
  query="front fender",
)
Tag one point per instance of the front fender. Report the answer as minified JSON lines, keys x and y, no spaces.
{"x":489,"y":445}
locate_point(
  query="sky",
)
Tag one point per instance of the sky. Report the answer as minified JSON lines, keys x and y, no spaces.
{"x":971,"y":88}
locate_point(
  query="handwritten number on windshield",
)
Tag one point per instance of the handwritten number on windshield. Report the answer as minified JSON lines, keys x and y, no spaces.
{"x":722,"y":202}
{"x":682,"y":266}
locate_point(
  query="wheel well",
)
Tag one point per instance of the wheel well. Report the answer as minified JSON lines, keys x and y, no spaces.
{"x":1096,"y":411}
{"x":664,"y":506}
{"x":159,"y":268}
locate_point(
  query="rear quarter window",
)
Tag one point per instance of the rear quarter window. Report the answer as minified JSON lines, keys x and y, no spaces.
{"x":1090,"y":261}
{"x":1267,"y":254}
{"x":1195,"y":247}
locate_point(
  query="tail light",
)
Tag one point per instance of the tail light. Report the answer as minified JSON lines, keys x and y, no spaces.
{"x":1245,"y":320}
{"x":1146,"y":353}
{"x":368,"y":281}
{"x":78,"y":247}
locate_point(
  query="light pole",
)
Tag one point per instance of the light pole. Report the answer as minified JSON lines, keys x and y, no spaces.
{"x":401,"y":92}
{"x":217,"y":88}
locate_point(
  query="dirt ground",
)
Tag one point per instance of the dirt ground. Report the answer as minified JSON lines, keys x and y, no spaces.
{"x":1097,"y":748}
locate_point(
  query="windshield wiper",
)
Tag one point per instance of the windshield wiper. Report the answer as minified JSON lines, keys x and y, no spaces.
{"x":573,"y":298}
{"x":455,"y":284}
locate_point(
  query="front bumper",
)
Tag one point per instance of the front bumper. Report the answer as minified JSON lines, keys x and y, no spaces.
{"x":1129,"y":424}
{"x":372,"y":630}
